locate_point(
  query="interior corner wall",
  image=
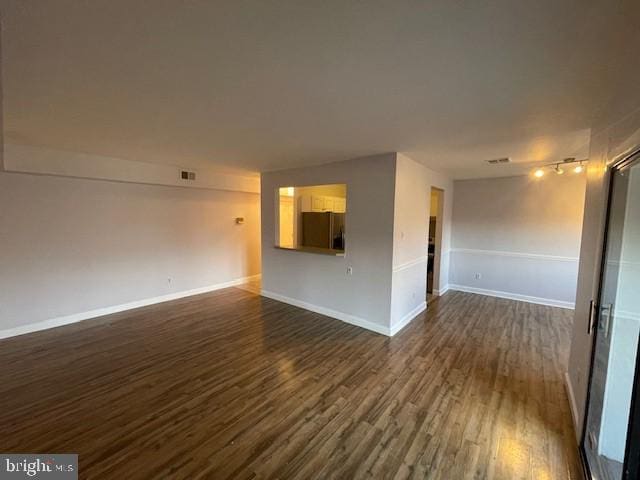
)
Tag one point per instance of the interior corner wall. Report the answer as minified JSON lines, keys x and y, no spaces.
{"x":446,"y":184}
{"x":410,"y":237}
{"x":70,"y":246}
{"x":518,"y":237}
{"x":320,"y":282}
{"x":616,"y":132}
{"x":1,"y":107}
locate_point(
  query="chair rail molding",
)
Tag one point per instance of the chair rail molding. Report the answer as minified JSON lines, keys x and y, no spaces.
{"x":502,"y":253}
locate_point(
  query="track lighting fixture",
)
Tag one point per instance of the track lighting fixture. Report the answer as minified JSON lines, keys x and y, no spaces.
{"x":557,"y":167}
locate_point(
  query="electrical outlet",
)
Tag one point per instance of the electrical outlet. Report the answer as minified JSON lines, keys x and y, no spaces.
{"x":478,"y":276}
{"x":349,"y":270}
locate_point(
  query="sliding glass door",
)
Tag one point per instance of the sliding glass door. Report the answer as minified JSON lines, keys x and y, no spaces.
{"x":610,"y":446}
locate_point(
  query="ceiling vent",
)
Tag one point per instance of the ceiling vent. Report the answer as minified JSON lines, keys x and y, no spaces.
{"x":497,"y":161}
{"x":187,"y":175}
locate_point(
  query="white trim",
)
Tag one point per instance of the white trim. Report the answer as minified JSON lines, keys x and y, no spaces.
{"x":514,"y":296}
{"x":99,"y":312}
{"x":345,"y":317}
{"x":440,"y":292}
{"x":409,"y":264}
{"x":530,"y":256}
{"x":573,"y":406}
{"x":407,"y":318}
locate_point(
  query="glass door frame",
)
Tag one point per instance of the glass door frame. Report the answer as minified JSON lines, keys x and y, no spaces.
{"x":631,"y":465}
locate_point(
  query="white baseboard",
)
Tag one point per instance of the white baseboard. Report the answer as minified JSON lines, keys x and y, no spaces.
{"x":573,"y":406}
{"x":99,"y":312}
{"x":440,"y":292}
{"x":345,"y":317}
{"x":407,"y":318}
{"x":513,"y":296}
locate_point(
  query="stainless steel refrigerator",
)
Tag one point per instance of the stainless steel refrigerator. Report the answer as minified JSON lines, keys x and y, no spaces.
{"x":323,"y":230}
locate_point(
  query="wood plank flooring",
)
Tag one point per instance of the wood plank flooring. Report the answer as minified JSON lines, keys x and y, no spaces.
{"x":233,"y":385}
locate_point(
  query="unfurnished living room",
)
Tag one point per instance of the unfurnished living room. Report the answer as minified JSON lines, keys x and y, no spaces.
{"x":320,"y":239}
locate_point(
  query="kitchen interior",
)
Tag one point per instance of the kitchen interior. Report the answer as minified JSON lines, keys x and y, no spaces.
{"x":312,"y":218}
{"x":434,"y":241}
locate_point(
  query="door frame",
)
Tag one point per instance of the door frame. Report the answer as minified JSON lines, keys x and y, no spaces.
{"x":631,"y":466}
{"x":438,"y":235}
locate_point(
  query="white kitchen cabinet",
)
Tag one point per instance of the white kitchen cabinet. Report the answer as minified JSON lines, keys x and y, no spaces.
{"x":317,"y":203}
{"x":339,"y":205}
{"x":321,"y":203}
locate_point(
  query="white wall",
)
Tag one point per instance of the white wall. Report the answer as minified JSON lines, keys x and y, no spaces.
{"x":320,"y":282}
{"x":388,"y":204}
{"x":521,"y":234}
{"x":1,"y":110}
{"x":47,"y":161}
{"x":410,"y":231}
{"x":69,"y":246}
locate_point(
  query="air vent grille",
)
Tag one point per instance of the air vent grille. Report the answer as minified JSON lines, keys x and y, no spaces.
{"x":497,"y":161}
{"x":185,"y":175}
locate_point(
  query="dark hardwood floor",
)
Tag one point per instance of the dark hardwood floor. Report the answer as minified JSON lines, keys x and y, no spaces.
{"x":233,"y":385}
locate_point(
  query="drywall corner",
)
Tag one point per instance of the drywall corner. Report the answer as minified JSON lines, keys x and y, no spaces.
{"x":412,"y":198}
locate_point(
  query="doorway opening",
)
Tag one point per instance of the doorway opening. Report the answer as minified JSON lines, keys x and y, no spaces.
{"x":434,"y":242}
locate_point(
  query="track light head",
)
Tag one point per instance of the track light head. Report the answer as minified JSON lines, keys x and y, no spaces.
{"x":577,"y":166}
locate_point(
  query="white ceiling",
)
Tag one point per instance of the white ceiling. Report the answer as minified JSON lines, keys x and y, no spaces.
{"x":261,"y":85}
